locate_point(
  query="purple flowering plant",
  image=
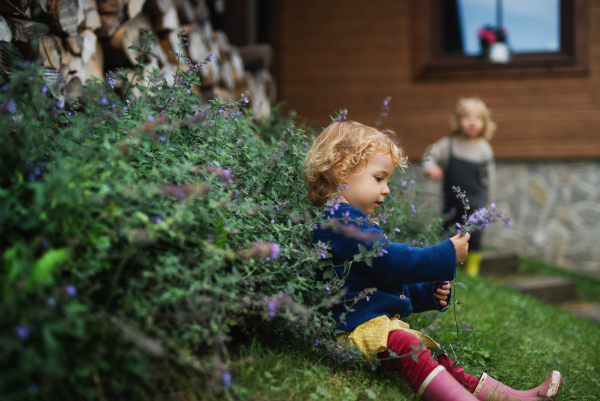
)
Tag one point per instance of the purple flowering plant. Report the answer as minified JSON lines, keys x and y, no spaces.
{"x":140,"y":241}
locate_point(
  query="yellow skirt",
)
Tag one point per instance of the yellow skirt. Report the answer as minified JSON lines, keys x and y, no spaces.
{"x":372,"y":336}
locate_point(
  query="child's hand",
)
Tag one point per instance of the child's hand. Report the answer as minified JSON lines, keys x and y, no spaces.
{"x":461,"y":245}
{"x":436,"y":173}
{"x":441,"y":294}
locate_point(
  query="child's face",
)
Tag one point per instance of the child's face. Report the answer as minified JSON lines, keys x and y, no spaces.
{"x":368,"y":183}
{"x":471,"y":123}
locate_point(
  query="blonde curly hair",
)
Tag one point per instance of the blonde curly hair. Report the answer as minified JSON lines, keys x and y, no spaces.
{"x":341,"y":147}
{"x":472,"y":103}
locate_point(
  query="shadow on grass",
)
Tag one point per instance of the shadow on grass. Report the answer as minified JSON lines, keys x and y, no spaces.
{"x":286,"y":370}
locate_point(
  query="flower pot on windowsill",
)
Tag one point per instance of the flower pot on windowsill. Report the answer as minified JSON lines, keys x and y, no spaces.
{"x":499,"y":53}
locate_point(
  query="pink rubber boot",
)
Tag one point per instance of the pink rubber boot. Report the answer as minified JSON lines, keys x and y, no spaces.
{"x":440,"y":385}
{"x":491,"y":389}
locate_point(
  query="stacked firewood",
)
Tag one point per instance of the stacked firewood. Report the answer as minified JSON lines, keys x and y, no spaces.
{"x":79,"y":40}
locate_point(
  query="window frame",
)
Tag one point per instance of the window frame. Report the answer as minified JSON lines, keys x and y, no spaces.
{"x":430,"y":63}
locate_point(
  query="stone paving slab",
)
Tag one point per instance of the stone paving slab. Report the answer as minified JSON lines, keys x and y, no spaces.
{"x":555,"y":290}
{"x":583,"y":310}
{"x":495,"y":264}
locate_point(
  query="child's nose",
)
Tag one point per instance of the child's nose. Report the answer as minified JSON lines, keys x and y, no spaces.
{"x":386,"y":190}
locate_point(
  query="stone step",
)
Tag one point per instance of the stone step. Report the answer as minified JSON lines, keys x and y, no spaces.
{"x":494,"y":264}
{"x":584,"y":310}
{"x":555,"y":290}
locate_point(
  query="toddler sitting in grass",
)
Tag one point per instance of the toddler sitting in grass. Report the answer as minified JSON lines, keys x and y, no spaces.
{"x":362,"y":160}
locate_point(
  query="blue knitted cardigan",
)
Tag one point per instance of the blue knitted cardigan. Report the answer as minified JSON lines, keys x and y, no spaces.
{"x":402,"y":276}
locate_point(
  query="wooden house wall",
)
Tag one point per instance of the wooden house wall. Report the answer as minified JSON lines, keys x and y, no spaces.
{"x":353,"y":53}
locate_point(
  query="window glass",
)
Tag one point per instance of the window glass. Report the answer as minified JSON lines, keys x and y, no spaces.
{"x":532,"y":25}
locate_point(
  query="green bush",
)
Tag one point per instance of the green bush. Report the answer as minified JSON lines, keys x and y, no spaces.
{"x":141,"y":236}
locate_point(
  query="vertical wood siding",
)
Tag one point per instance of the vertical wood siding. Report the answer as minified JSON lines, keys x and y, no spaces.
{"x":353,"y":53}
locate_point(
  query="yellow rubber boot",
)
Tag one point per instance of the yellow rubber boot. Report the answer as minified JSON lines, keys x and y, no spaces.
{"x":472,"y":263}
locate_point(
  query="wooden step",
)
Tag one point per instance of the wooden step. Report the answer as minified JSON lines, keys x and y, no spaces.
{"x":494,"y":264}
{"x":555,"y":290}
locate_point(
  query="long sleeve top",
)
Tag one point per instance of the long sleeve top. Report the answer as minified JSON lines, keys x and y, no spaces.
{"x":476,"y":152}
{"x":402,"y":276}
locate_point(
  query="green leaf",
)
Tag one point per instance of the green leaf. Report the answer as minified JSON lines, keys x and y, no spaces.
{"x":10,"y":258}
{"x":136,"y":48}
{"x":415,"y":357}
{"x":221,"y":234}
{"x":329,"y":273}
{"x":462,"y":285}
{"x":362,"y":249}
{"x":143,"y":217}
{"x":43,"y":268}
{"x":370,"y":394}
{"x":322,"y":391}
{"x":465,"y":326}
{"x":369,"y":261}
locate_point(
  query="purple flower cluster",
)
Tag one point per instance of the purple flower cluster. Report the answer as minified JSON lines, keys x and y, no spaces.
{"x":272,"y":305}
{"x":348,"y":230}
{"x":226,"y":376}
{"x":11,"y":107}
{"x":22,"y":331}
{"x":384,"y":110}
{"x":380,"y":251}
{"x":323,"y":251}
{"x":71,"y":290}
{"x":181,"y":192}
{"x":342,"y":115}
{"x":220,"y":172}
{"x":480,"y":218}
{"x":486,"y":217}
{"x":268,"y":250}
{"x":333,"y":205}
{"x":278,"y":152}
{"x":418,"y":243}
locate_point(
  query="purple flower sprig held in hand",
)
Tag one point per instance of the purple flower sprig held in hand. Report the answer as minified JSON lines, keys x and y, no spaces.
{"x":480,"y":218}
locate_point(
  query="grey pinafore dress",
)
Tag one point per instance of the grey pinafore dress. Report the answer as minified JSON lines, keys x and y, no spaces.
{"x":472,"y":178}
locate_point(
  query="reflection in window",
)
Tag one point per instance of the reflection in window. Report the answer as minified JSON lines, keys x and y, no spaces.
{"x":533,"y":25}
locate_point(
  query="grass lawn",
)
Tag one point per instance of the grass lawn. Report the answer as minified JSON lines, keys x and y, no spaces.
{"x":517,"y":339}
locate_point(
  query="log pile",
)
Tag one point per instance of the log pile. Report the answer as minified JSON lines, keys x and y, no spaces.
{"x":79,"y":40}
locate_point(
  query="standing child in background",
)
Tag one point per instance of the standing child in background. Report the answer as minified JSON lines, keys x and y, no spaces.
{"x":362,"y":160}
{"x":465,"y":159}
